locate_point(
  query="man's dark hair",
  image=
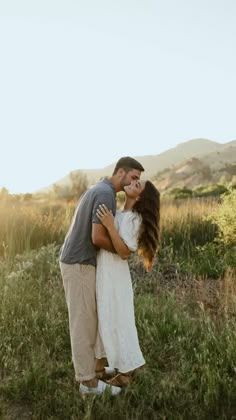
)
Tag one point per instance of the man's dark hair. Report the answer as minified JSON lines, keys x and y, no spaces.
{"x":128,"y":163}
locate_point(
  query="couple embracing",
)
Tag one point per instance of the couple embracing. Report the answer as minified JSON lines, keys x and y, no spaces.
{"x":96,"y":276}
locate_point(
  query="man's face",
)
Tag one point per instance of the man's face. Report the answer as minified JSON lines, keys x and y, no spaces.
{"x":128,"y":177}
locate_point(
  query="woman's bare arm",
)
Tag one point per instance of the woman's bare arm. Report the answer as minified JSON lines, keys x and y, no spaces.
{"x":107,"y":220}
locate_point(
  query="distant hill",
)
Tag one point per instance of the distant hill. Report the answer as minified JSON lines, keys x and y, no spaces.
{"x":176,"y":166}
{"x":211,"y":168}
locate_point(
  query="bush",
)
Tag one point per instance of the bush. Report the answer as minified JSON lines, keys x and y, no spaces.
{"x":210,"y":190}
{"x":181,"y":193}
{"x":224,"y":218}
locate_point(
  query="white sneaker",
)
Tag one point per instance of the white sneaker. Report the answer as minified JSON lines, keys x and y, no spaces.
{"x":100,"y":389}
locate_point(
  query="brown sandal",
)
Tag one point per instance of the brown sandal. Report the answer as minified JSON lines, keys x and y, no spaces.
{"x":121,"y":379}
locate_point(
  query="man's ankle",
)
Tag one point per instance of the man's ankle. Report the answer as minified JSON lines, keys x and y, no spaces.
{"x":91,"y":383}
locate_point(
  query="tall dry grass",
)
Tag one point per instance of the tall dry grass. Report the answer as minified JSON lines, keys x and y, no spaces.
{"x":184,"y":224}
{"x":29,"y":225}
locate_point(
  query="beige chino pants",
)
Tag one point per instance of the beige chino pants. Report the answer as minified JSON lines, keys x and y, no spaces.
{"x":80,"y":292}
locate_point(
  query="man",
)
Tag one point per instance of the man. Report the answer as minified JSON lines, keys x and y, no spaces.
{"x":78,"y":264}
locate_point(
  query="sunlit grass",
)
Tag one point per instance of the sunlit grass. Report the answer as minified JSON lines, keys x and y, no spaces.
{"x":185,"y":225}
{"x":26,"y":226}
{"x":29,"y":225}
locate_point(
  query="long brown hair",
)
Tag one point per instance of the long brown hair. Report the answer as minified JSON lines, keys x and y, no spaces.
{"x":148,"y":206}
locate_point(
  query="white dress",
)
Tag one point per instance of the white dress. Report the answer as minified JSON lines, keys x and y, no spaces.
{"x":115,"y":306}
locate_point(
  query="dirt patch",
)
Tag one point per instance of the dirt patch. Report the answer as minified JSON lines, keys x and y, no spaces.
{"x":215,"y":295}
{"x":12,"y":411}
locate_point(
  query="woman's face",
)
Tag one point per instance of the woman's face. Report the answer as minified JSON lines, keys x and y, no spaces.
{"x":134,"y":189}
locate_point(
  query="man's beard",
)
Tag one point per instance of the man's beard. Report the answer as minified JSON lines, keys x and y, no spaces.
{"x":123,"y":183}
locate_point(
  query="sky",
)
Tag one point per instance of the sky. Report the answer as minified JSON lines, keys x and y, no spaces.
{"x":84,"y":82}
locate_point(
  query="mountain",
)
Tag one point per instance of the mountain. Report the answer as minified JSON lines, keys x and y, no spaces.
{"x":155,"y":163}
{"x":169,"y":163}
{"x":218,"y":166}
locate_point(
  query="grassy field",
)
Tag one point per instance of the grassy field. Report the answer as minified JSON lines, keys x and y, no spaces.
{"x":185,"y":312}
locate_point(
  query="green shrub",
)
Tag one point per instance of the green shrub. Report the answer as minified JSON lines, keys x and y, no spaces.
{"x":224,"y":218}
{"x":181,"y":193}
{"x":210,"y":190}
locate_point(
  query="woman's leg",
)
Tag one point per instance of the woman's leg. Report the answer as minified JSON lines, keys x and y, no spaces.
{"x":100,"y":367}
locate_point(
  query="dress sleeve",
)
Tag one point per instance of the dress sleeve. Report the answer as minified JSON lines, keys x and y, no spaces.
{"x":129,"y":229}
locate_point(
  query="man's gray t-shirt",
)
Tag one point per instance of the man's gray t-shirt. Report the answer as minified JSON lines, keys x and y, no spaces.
{"x":78,"y":246}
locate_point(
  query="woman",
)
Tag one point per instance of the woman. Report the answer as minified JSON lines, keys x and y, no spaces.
{"x":134,"y":228}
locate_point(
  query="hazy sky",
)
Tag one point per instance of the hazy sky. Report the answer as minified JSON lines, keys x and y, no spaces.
{"x":83,"y":82}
